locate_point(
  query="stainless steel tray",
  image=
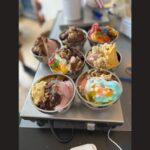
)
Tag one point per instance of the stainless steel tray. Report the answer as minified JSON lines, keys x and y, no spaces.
{"x":79,"y":112}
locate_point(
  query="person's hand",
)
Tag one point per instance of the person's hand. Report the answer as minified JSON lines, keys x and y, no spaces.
{"x":40,"y":16}
{"x":38,"y":5}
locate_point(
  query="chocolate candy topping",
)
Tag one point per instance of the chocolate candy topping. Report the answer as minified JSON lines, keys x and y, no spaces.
{"x":72,"y":35}
{"x":40,"y":46}
{"x":51,"y":98}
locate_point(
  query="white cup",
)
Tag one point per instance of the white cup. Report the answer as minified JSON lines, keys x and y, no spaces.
{"x":72,"y":9}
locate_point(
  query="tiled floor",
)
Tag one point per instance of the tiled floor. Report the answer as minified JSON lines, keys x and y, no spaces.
{"x":30,"y":31}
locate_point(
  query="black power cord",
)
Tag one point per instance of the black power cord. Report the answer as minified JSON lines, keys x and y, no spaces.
{"x":60,"y":139}
{"x":66,"y":140}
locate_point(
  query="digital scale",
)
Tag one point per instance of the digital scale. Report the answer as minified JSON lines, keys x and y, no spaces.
{"x":78,"y":116}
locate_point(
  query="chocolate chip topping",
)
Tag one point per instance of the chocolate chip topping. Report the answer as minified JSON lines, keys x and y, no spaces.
{"x":64,"y":35}
{"x":55,"y":100}
{"x":51,"y":97}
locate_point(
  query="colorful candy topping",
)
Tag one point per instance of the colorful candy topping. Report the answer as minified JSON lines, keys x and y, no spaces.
{"x":102,"y":34}
{"x":67,"y":60}
{"x":100,"y":90}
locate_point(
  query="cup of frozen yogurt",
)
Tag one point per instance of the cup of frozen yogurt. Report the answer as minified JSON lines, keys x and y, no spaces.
{"x":53,"y":93}
{"x":67,"y":60}
{"x":74,"y":37}
{"x":104,"y":56}
{"x":102,"y":34}
{"x":98,"y":88}
{"x":44,"y":48}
